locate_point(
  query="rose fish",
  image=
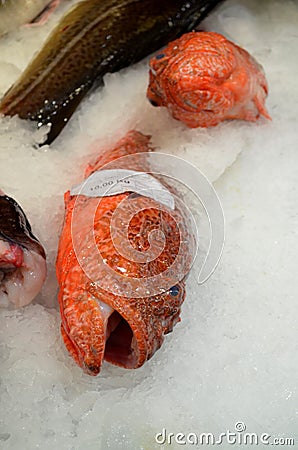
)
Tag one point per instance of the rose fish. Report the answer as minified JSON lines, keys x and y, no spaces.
{"x":111,"y":307}
{"x":203,"y":79}
{"x":22,"y":257}
{"x":94,"y":38}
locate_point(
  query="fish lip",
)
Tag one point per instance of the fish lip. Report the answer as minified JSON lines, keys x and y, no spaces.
{"x":91,"y":369}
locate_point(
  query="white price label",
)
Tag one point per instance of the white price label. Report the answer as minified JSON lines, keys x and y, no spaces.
{"x":104,"y":183}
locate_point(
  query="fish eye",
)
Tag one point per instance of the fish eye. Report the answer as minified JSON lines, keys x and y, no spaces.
{"x":160,"y":56}
{"x":174,"y":291}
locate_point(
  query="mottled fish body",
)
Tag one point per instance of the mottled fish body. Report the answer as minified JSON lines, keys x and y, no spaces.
{"x":95,"y":38}
{"x":120,"y":306}
{"x":22,"y":257}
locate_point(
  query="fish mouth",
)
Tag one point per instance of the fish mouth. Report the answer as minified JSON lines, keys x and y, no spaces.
{"x":116,"y":344}
{"x":121,"y":346}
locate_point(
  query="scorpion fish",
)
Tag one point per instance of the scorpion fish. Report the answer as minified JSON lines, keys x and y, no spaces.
{"x":14,"y":13}
{"x":94,"y":38}
{"x":22,"y":257}
{"x":203,"y":79}
{"x":99,"y":321}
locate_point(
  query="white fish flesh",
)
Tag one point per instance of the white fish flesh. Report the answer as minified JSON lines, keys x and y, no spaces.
{"x":22,"y":257}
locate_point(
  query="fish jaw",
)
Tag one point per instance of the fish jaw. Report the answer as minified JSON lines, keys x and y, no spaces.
{"x":85,"y":325}
{"x":83,"y":329}
{"x":203,"y":79}
{"x":142,"y":327}
{"x":124,"y":332}
{"x":93,"y":331}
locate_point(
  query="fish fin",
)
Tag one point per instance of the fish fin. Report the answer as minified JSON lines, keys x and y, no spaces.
{"x":259,"y":102}
{"x":64,"y":114}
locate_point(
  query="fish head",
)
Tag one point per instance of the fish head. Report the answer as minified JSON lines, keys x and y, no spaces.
{"x":189,"y":78}
{"x":123,"y":331}
{"x":203,"y":78}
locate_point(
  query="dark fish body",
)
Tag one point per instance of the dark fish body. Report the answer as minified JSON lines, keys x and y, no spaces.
{"x":22,"y":257}
{"x":94,"y":38}
{"x":14,"y":226}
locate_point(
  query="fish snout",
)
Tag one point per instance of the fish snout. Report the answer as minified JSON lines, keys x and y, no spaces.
{"x":92,"y":370}
{"x":79,"y":345}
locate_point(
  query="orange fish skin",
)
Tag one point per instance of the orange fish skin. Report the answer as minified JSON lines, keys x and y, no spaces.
{"x":204,"y":79}
{"x":139,"y":323}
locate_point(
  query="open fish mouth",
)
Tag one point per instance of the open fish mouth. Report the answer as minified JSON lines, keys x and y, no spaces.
{"x":120,"y":346}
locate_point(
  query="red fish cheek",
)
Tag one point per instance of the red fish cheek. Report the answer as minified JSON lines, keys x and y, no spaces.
{"x":70,"y":346}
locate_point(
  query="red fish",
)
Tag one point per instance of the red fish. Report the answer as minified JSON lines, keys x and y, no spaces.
{"x":203,"y":79}
{"x":99,"y":322}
